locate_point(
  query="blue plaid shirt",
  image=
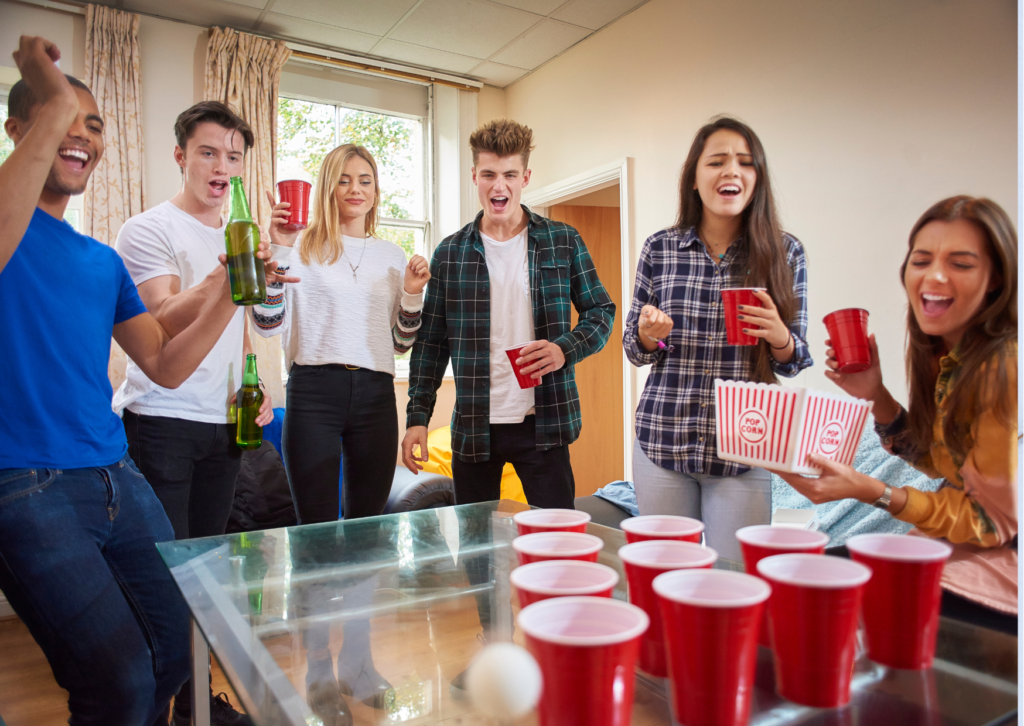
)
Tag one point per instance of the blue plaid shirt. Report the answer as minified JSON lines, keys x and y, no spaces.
{"x":457,"y":325}
{"x":675,"y":419}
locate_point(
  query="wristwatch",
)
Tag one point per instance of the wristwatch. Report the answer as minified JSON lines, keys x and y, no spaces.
{"x":883,"y":501}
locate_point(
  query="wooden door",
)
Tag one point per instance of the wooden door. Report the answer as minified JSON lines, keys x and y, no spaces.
{"x":597,"y":456}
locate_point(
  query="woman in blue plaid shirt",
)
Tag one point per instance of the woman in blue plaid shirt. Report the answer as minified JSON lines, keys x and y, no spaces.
{"x":727,"y":235}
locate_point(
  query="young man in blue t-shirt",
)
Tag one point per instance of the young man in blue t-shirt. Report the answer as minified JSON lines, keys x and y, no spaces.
{"x":78,"y":522}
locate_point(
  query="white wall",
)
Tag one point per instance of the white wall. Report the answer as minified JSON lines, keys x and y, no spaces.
{"x":66,"y":30}
{"x":173,"y":59}
{"x":869,"y":113}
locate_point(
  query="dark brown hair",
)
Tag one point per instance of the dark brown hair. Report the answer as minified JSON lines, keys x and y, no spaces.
{"x":21,"y":99}
{"x":978,"y":387}
{"x":503,"y":137}
{"x":213,"y":112}
{"x":764,"y":250}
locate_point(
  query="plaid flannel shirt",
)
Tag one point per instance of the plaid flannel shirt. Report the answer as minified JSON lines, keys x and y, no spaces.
{"x":675,"y":418}
{"x":457,"y":325}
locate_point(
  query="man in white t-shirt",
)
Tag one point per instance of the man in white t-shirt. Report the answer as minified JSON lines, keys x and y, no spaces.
{"x":182,"y":439}
{"x":507,"y":278}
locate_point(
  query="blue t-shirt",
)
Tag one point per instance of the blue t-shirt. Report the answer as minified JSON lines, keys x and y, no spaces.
{"x":63,"y":293}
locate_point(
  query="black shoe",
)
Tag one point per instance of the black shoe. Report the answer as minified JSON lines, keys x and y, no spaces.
{"x":324,"y":699}
{"x":367,"y":683}
{"x":223,"y":714}
{"x":457,"y":689}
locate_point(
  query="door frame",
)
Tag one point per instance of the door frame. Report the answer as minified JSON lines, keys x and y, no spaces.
{"x":563,"y":192}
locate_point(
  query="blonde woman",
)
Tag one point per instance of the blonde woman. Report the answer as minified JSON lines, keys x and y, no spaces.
{"x":358,"y":305}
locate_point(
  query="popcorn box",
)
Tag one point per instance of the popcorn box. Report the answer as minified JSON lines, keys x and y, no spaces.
{"x":777,"y":427}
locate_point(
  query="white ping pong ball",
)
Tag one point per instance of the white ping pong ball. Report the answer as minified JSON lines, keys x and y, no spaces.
{"x":504,"y":681}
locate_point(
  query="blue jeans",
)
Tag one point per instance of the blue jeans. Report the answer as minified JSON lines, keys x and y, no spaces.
{"x":723,"y":503}
{"x":79,"y":566}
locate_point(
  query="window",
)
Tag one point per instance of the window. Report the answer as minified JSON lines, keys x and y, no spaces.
{"x":73,"y":213}
{"x":307,"y":131}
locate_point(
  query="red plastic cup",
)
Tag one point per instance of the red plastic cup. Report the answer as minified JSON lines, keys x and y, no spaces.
{"x":562,"y":578}
{"x":813,"y":613}
{"x":525,"y":381}
{"x":662,"y":526}
{"x":848,"y":332}
{"x":557,"y":546}
{"x":296,"y":193}
{"x":711,"y":620}
{"x":644,"y":561}
{"x":586,"y":648}
{"x":901,"y":614}
{"x":731,"y":297}
{"x":764,"y":540}
{"x":551,"y":520}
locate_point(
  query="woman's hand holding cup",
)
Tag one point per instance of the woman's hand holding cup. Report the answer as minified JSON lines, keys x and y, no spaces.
{"x":279,"y":217}
{"x":866,"y":384}
{"x":654,"y":325}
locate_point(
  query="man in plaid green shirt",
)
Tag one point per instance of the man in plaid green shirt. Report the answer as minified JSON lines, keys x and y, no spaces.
{"x":505,"y":279}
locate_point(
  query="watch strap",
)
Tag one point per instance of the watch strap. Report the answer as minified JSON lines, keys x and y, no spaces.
{"x":883,"y":501}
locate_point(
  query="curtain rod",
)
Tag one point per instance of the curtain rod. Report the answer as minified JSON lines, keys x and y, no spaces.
{"x":378,"y":70}
{"x":350,"y":62}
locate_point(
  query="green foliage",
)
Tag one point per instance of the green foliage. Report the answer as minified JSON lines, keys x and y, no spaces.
{"x":404,"y":238}
{"x":6,"y":145}
{"x":306,"y":132}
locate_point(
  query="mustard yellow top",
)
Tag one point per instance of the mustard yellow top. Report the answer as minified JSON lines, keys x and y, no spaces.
{"x":976,"y":507}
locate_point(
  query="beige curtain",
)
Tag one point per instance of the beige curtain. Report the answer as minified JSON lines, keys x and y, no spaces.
{"x":244,"y":72}
{"x":112,"y":72}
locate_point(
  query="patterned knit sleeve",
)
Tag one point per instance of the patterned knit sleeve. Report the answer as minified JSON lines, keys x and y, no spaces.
{"x":270,"y":315}
{"x":410,"y":317}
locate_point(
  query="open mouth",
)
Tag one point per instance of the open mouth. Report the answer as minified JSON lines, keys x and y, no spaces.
{"x":934,"y":305}
{"x":218,"y":187}
{"x":75,"y":158}
{"x":729,"y":190}
{"x":499,"y":203}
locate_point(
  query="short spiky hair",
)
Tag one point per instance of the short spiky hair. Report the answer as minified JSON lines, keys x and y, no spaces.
{"x":502,"y":137}
{"x":21,"y":99}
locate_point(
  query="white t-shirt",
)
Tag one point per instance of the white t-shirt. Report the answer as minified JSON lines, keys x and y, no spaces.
{"x":511,"y":324}
{"x":335,"y":316}
{"x":167,"y":241}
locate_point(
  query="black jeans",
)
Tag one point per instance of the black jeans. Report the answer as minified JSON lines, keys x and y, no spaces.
{"x":328,"y":402}
{"x":546,"y":475}
{"x":547,"y":482}
{"x":192,"y":467}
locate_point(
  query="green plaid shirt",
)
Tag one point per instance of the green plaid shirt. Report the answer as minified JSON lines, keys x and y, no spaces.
{"x":457,"y":325}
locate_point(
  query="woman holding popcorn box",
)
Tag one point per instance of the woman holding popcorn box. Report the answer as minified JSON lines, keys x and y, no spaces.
{"x":960,"y":274}
{"x":726,"y":256}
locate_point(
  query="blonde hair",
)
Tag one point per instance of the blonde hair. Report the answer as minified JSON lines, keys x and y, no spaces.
{"x":502,"y":137}
{"x":321,"y":241}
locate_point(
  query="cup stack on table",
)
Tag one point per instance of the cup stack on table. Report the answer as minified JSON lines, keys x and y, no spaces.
{"x":700,"y":628}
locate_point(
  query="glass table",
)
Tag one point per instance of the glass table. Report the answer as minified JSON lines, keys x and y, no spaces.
{"x":407,"y":595}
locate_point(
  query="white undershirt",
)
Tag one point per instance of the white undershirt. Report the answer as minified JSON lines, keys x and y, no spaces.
{"x":511,"y":324}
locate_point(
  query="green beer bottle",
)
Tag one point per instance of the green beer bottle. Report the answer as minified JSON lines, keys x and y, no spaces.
{"x":247,"y":403}
{"x":245,"y":270}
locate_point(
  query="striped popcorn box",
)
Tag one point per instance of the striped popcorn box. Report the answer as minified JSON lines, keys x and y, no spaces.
{"x":777,"y":427}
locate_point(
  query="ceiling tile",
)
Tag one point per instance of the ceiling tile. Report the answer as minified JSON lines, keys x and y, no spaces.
{"x":376,"y":17}
{"x":318,"y":33}
{"x":540,"y":43}
{"x":541,"y":7}
{"x":198,"y":12}
{"x":595,"y":14}
{"x":258,"y":4}
{"x":468,"y":27}
{"x":425,"y":57}
{"x":495,"y":74}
